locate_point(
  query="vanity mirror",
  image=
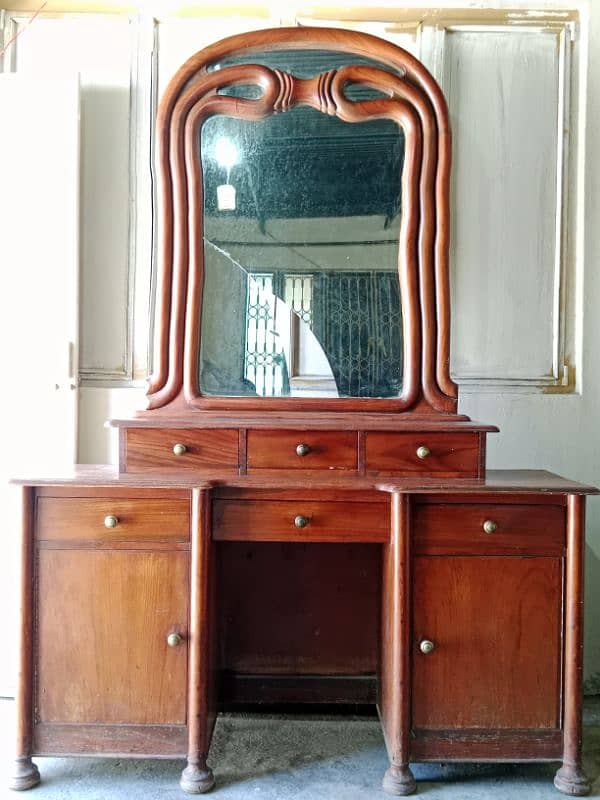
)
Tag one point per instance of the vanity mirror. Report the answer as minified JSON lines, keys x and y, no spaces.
{"x":311,"y":187}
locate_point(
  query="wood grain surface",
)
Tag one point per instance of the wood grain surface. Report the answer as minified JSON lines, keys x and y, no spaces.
{"x":102,"y":624}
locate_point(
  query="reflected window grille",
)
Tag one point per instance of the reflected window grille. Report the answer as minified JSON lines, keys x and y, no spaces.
{"x":298,"y":294}
{"x":264,"y":363}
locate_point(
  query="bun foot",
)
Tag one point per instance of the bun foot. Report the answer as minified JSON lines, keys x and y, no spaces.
{"x":572,"y":781}
{"x":196,"y":779}
{"x":25,"y":775}
{"x":399,"y":781}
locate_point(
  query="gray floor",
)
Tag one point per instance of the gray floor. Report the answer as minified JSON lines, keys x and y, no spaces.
{"x":308,"y":759}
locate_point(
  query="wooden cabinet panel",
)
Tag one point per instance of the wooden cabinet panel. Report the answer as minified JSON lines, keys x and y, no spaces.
{"x":103,"y":618}
{"x":78,"y":518}
{"x":495,"y":624}
{"x":300,"y":520}
{"x":302,"y":449}
{"x":440,"y":454}
{"x":489,"y":529}
{"x":151,"y":450}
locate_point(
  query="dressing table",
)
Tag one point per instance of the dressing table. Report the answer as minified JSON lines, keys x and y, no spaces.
{"x":301,"y":514}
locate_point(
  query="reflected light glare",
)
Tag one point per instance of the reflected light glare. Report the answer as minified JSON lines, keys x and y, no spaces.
{"x":226,"y":153}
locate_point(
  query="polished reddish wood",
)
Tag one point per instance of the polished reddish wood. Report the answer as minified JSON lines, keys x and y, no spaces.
{"x":197,"y":777}
{"x":104,"y":617}
{"x":452,"y":455}
{"x":25,"y":774}
{"x":78,"y":518}
{"x":299,"y":609}
{"x":151,"y":450}
{"x":482,"y":745}
{"x":499,"y":670}
{"x":276,"y":449}
{"x":119,"y":741}
{"x":275,"y":521}
{"x":571,"y":778}
{"x":395,"y":666}
{"x":458,"y":529}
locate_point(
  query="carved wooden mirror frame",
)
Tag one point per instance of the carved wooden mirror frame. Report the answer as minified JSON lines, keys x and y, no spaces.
{"x":414,"y":101}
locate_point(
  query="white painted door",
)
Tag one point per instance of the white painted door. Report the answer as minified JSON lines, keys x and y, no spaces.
{"x":39,"y":256}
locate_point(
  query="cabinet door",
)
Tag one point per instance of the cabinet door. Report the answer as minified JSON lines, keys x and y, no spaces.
{"x":495,"y":624}
{"x":102,"y":627}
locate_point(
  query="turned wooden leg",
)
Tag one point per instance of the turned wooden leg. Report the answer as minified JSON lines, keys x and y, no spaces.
{"x":570,"y":778}
{"x":25,"y":774}
{"x":197,"y":778}
{"x":394,"y":698}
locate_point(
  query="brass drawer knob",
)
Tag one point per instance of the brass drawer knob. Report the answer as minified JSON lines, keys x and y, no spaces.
{"x":174,"y":639}
{"x":300,"y":521}
{"x":423,"y":452}
{"x":111,"y":521}
{"x":179,"y":449}
{"x":489,"y":526}
{"x":426,"y":646}
{"x":302,"y":449}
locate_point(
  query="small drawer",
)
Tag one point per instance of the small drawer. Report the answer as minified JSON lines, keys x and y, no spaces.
{"x":112,"y":519}
{"x":300,"y":520}
{"x":479,"y":529}
{"x":285,"y":449}
{"x":445,"y":455}
{"x":151,"y":450}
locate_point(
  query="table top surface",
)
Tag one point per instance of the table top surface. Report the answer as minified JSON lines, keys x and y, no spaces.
{"x":495,"y":481}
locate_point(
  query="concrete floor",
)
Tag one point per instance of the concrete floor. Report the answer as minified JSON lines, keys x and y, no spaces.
{"x":310,"y":758}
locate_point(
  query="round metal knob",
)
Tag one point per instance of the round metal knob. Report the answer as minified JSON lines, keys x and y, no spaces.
{"x":302,"y":450}
{"x":174,"y":639}
{"x":300,"y":521}
{"x":179,"y":449}
{"x":423,"y":452}
{"x":426,"y":646}
{"x":111,"y":521}
{"x":489,"y":526}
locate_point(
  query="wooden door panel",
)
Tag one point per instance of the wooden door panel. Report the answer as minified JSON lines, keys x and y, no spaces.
{"x":103,"y":621}
{"x":495,"y":624}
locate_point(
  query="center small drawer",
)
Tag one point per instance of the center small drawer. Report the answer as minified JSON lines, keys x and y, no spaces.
{"x":488,"y":529}
{"x":298,"y":449}
{"x":112,"y":519}
{"x":300,"y":520}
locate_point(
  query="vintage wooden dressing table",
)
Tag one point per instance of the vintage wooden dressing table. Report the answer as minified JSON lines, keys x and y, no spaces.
{"x":302,"y":515}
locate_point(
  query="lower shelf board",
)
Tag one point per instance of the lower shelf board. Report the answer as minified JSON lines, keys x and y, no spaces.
{"x":242,"y":688}
{"x":122,"y":741}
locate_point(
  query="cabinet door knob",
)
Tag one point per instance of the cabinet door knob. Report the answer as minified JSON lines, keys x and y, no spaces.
{"x":111,"y":521}
{"x":302,"y":449}
{"x":179,"y":449}
{"x":174,"y":639}
{"x":423,"y":452}
{"x":489,"y":526}
{"x":426,"y":646}
{"x":300,"y":521}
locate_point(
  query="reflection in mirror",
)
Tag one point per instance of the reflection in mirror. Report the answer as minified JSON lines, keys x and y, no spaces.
{"x":301,"y":221}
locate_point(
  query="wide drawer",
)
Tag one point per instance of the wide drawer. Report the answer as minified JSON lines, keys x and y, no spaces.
{"x":112,"y":519}
{"x":180,"y":449}
{"x":298,"y":449}
{"x":300,"y":520}
{"x":488,"y":529}
{"x":440,"y":454}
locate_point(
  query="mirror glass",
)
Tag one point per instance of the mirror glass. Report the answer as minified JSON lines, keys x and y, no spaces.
{"x":301,"y":220}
